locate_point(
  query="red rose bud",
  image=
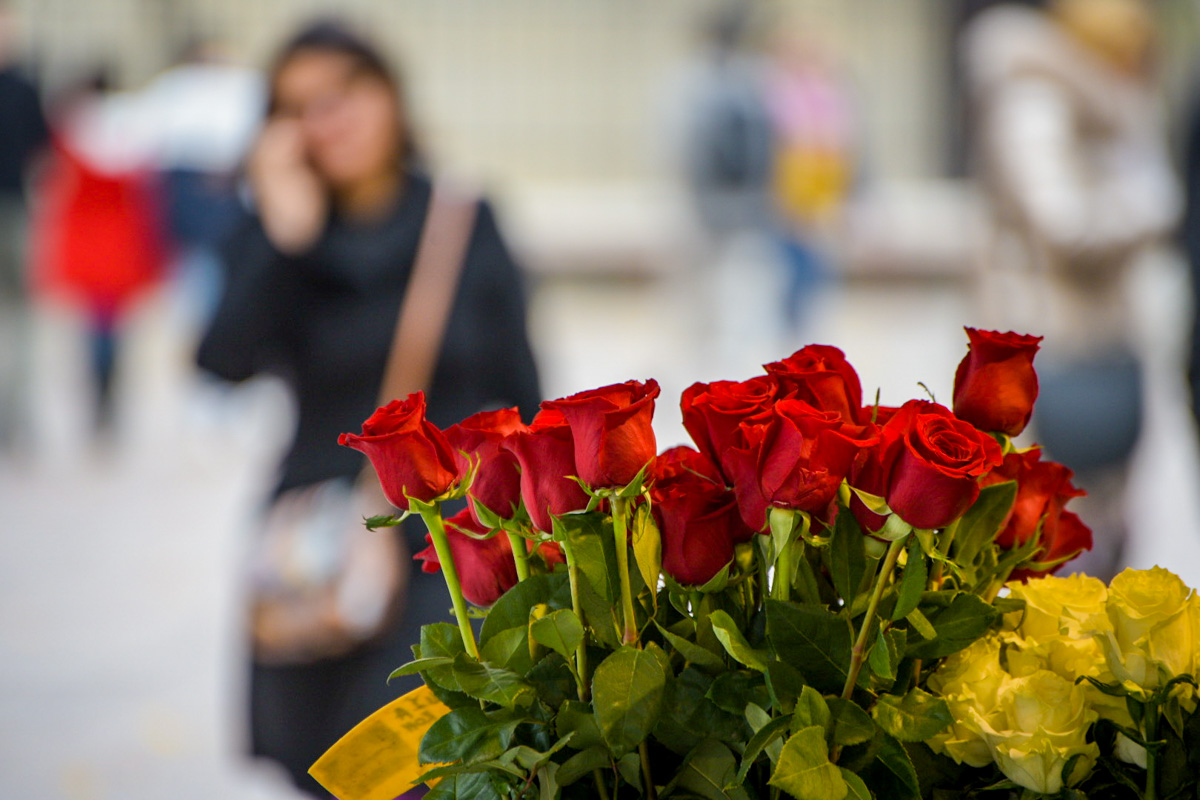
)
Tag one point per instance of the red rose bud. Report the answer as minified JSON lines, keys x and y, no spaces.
{"x":477,"y":438}
{"x":680,"y":462}
{"x":1043,"y":490}
{"x":806,"y":454}
{"x":485,"y":567}
{"x":410,"y":454}
{"x":546,"y":453}
{"x":797,"y":460}
{"x":700,"y":525}
{"x":927,"y":467}
{"x":995,"y":385}
{"x":713,"y":412}
{"x":820,"y":376}
{"x":611,"y":427}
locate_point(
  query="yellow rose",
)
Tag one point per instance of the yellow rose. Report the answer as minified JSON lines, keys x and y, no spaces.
{"x":970,"y":681}
{"x":1074,"y":605}
{"x":1040,"y":722}
{"x":1154,"y":631}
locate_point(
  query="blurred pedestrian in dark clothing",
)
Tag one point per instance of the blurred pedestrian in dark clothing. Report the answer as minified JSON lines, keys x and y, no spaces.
{"x":1071,"y":150}
{"x":23,"y":134}
{"x":315,"y":282}
{"x":1190,"y":236}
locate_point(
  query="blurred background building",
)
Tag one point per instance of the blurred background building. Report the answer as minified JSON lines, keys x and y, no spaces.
{"x":120,"y":627}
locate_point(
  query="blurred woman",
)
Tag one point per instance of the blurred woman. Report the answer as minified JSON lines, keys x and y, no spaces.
{"x":1072,"y":153}
{"x":315,"y":282}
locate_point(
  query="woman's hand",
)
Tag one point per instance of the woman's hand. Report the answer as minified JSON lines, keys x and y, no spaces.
{"x":291,"y":200}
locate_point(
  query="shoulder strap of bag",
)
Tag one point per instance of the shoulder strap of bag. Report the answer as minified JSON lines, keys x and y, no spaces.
{"x":432,"y":287}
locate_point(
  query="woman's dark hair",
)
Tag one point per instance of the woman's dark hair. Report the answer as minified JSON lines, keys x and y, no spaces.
{"x":331,"y":35}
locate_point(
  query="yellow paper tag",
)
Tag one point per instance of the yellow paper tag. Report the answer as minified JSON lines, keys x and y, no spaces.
{"x":377,"y":759}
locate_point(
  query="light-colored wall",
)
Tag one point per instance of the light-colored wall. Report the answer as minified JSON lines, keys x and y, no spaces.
{"x":540,"y":91}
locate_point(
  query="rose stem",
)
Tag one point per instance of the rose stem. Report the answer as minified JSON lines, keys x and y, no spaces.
{"x":644,"y":752}
{"x":935,"y":579}
{"x":601,"y":789}
{"x":520,"y":554}
{"x":437,"y":532}
{"x":1151,"y":724}
{"x":858,"y":654}
{"x":620,"y":511}
{"x":581,"y":651}
{"x":784,"y":567}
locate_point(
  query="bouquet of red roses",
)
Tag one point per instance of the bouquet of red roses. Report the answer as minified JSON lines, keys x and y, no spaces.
{"x":766,"y":611}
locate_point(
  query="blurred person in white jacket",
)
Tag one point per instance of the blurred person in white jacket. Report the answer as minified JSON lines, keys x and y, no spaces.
{"x":1070,"y":149}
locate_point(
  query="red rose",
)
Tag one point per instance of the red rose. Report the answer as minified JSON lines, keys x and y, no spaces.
{"x":546,"y":453}
{"x":1043,"y":490}
{"x":820,"y":376}
{"x":713,"y":412}
{"x":796,"y":460}
{"x":927,"y":466}
{"x":995,"y":385}
{"x":485,"y":567}
{"x":410,"y":454}
{"x":700,"y":525}
{"x":497,"y":483}
{"x":679,"y":462}
{"x":611,"y":427}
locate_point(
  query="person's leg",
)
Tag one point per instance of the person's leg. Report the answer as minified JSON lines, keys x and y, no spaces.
{"x":103,"y":364}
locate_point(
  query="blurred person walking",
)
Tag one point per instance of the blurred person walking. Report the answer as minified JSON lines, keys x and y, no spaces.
{"x":813,"y":118}
{"x":728,"y":157}
{"x":315,"y":282}
{"x":98,"y":237}
{"x":23,"y":134}
{"x":1071,"y":153}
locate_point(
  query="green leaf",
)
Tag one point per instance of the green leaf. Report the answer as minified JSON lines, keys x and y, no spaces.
{"x":595,"y":550}
{"x":731,"y":638}
{"x":804,"y":770}
{"x":851,"y":725}
{"x":627,"y":694}
{"x":979,"y":526}
{"x":442,"y":640}
{"x":689,"y":716}
{"x":891,"y":774}
{"x":962,"y":622}
{"x":709,"y":771}
{"x":469,"y":786}
{"x":915,"y":717}
{"x":553,"y":680}
{"x":921,"y":624}
{"x":560,"y":630}
{"x":693,"y":653}
{"x":785,"y":683}
{"x":857,"y":790}
{"x":815,"y":640}
{"x":600,"y":616}
{"x":420,"y":665}
{"x":383,"y":521}
{"x":760,"y":741}
{"x":880,"y":660}
{"x":647,"y":547}
{"x":811,"y":709}
{"x":458,"y":735}
{"x":912,"y":582}
{"x":847,"y":557}
{"x":732,"y":691}
{"x":782,"y":524}
{"x":576,"y":718}
{"x":485,"y":682}
{"x":581,"y":764}
{"x":512,"y":609}
{"x":509,"y":649}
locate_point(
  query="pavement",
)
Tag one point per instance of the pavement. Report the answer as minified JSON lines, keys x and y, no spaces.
{"x":120,"y":633}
